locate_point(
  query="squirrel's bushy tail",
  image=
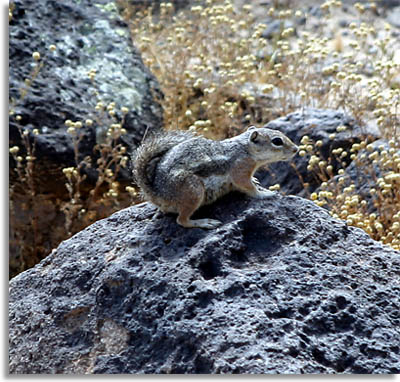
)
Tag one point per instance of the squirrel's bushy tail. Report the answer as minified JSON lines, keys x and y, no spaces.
{"x":147,"y":156}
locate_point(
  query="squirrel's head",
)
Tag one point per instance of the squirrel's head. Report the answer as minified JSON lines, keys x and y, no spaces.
{"x":267,"y":145}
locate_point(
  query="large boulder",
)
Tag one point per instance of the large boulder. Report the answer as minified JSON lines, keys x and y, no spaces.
{"x":280,"y":287}
{"x":88,"y":35}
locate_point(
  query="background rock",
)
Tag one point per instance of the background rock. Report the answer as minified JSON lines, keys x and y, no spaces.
{"x":394,"y":16}
{"x":275,"y":27}
{"x":317,"y":124}
{"x":87,"y":35}
{"x":281,"y":287}
{"x":362,"y":173}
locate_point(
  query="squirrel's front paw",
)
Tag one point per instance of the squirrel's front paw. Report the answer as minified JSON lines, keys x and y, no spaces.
{"x":201,"y":223}
{"x":263,"y":193}
{"x":206,"y":223}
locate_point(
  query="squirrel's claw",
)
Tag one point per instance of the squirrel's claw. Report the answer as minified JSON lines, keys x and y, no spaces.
{"x":263,"y":193}
{"x":202,"y":223}
{"x":255,"y":181}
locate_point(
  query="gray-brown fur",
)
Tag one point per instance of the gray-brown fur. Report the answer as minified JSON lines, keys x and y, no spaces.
{"x":180,"y":171}
{"x":146,"y":158}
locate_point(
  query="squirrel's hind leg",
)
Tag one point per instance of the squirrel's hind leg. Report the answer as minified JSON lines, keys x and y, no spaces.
{"x":191,"y":197}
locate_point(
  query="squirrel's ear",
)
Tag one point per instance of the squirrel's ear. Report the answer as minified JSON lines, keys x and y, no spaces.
{"x":253,"y":136}
{"x":251,"y":128}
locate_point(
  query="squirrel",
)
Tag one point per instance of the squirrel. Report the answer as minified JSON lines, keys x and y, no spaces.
{"x":180,"y":172}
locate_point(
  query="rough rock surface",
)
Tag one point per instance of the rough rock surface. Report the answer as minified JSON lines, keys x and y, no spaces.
{"x":317,"y":124}
{"x":87,"y":35}
{"x":280,"y":287}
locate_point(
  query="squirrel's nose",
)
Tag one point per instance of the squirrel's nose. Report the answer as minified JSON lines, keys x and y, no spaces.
{"x":295,"y":149}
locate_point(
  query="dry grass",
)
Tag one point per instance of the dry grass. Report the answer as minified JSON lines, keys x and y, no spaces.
{"x":219,"y":74}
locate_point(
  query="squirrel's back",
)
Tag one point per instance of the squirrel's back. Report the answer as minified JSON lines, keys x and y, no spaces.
{"x":147,"y":157}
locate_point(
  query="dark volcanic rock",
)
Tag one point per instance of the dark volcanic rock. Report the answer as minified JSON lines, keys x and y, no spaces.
{"x":89,"y":35}
{"x":281,"y":287}
{"x":317,"y":124}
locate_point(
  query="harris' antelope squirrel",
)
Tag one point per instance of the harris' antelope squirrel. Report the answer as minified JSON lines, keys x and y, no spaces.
{"x":180,"y":172}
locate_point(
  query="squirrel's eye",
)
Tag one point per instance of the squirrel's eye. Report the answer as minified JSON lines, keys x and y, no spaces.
{"x":277,"y":141}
